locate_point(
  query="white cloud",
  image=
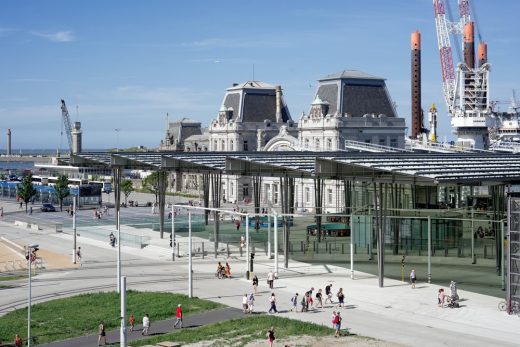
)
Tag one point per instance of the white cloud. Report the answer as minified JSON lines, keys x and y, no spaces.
{"x":59,"y":36}
{"x":6,"y":31}
{"x":236,"y":43}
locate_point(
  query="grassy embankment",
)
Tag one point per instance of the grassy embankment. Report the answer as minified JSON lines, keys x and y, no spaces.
{"x":239,"y":332}
{"x":80,"y":315}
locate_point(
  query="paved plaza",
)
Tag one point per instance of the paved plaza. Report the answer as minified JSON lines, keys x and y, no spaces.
{"x":395,"y":313}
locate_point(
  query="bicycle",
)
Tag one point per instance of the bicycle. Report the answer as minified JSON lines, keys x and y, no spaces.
{"x":515,"y":307}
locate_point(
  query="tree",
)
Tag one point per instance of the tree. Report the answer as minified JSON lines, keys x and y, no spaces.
{"x":127,"y":187}
{"x":62,"y":189}
{"x":151,"y":183}
{"x":25,"y":190}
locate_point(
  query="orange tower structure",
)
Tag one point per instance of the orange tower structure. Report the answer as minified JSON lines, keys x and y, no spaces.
{"x":417,"y":121}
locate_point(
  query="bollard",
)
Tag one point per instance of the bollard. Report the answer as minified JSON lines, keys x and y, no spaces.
{"x":301,"y":246}
{"x":178,"y":249}
{"x":485,"y":251}
{"x":227,"y":246}
{"x":342,"y":248}
{"x":202,"y":250}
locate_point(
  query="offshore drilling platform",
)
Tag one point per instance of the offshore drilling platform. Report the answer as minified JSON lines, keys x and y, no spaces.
{"x":475,"y":120}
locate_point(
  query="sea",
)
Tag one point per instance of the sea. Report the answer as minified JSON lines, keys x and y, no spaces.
{"x":27,"y":164}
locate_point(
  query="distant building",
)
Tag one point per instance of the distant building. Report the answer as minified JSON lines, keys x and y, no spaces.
{"x":250,"y":115}
{"x":351,"y":105}
{"x":178,"y":135}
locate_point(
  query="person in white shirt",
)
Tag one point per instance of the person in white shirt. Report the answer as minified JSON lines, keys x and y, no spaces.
{"x":244,"y":303}
{"x":146,"y":324}
{"x":270,"y":279}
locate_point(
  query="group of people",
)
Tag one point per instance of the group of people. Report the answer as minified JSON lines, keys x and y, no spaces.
{"x":307,"y":301}
{"x":453,"y":298}
{"x":131,"y":323}
{"x":248,"y":303}
{"x":99,"y":212}
{"x":223,"y":271}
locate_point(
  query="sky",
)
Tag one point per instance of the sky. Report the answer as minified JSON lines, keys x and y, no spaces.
{"x":125,"y":64}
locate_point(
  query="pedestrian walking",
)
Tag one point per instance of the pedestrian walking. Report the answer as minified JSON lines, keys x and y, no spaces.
{"x":78,"y":256}
{"x":255,"y":283}
{"x":305,"y":303}
{"x":178,"y":315}
{"x":310,"y":302}
{"x":227,"y":270}
{"x":131,"y":320}
{"x":18,"y":341}
{"x":30,"y":210}
{"x":102,"y":334}
{"x":328,"y":293}
{"x":270,"y":279}
{"x":244,"y":303}
{"x":272,"y":301}
{"x":413,"y":278}
{"x":146,"y":324}
{"x":270,"y":336}
{"x":440,"y":297}
{"x":294,"y":302}
{"x":251,"y":303}
{"x":337,"y":323}
{"x":341,"y":297}
{"x":319,"y":299}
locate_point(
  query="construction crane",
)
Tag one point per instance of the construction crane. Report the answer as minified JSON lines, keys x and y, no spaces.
{"x":66,"y":122}
{"x":466,"y":91}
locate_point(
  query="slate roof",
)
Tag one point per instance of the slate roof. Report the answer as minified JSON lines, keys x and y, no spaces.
{"x":258,"y":104}
{"x":355,"y":74}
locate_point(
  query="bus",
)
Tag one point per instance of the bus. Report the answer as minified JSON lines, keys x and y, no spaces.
{"x":73,"y":182}
{"x":106,"y":187}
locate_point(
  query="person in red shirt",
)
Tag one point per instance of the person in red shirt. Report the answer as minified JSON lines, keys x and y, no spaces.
{"x":18,"y":341}
{"x":179,"y":317}
{"x":131,"y":319}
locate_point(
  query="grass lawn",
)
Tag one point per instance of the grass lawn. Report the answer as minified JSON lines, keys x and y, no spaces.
{"x":239,"y":332}
{"x":80,"y":315}
{"x":12,"y":277}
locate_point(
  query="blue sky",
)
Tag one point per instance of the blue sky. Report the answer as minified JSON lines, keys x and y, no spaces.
{"x":125,"y":64}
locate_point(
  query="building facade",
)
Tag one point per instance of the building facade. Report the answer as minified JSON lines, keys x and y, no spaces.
{"x":347,"y":106}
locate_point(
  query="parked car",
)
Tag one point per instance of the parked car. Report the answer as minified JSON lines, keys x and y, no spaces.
{"x":47,"y":208}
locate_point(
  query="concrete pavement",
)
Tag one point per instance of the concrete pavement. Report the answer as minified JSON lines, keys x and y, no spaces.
{"x":394,"y":313}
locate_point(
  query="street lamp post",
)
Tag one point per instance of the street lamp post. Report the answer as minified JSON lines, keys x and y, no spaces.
{"x":173,"y":232}
{"x":190,"y":263}
{"x":30,"y":248}
{"x":74,"y":260}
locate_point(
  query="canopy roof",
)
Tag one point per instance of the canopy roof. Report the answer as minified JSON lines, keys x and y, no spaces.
{"x":412,"y":168}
